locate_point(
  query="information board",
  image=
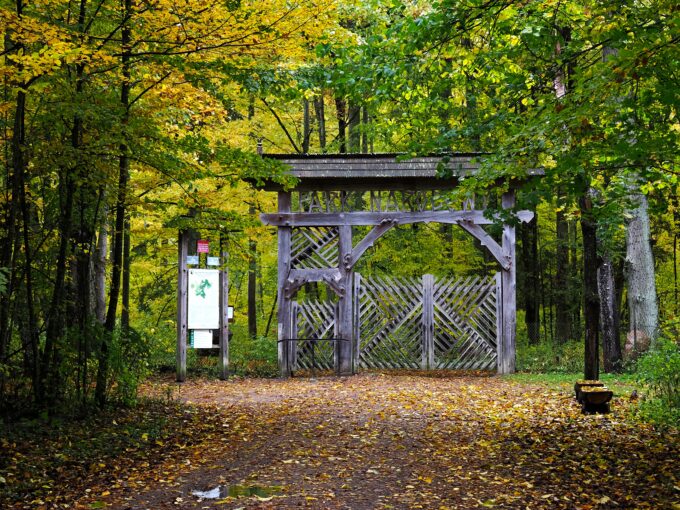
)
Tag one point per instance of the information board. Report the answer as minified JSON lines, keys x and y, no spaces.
{"x":204,"y":299}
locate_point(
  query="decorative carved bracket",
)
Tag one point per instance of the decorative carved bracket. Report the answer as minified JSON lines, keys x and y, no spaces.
{"x":494,"y":248}
{"x":298,"y":277}
{"x":375,"y":233}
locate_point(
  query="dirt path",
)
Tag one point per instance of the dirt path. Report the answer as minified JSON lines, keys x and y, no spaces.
{"x":387,"y":441}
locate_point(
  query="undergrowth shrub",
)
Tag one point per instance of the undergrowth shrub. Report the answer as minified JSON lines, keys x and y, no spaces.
{"x":548,"y":357}
{"x":129,"y":365}
{"x":254,"y":357}
{"x":659,"y":371}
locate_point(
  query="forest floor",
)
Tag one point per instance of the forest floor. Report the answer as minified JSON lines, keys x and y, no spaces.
{"x":369,"y":441}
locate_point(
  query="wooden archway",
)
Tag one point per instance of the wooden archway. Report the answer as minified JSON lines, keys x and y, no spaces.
{"x":336,"y":193}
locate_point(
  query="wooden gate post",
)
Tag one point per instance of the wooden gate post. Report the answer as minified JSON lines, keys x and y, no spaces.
{"x":343,"y":350}
{"x":499,"y":321}
{"x":285,"y":308}
{"x":182,"y":276}
{"x":356,"y":312}
{"x":224,"y":318}
{"x":427,"y":360}
{"x":506,"y":359}
{"x":293,"y":346}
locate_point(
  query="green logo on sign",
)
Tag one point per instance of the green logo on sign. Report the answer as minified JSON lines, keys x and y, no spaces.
{"x":200,"y":288}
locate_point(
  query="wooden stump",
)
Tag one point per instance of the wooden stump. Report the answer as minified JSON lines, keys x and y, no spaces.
{"x":595,"y":399}
{"x":578,"y":387}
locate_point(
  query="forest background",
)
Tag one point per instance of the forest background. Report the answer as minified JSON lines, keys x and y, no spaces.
{"x":123,"y":122}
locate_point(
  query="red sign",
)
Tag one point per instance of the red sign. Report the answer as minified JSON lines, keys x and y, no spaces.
{"x":202,"y":246}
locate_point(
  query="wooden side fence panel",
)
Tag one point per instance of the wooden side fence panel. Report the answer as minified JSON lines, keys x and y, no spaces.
{"x":314,"y":319}
{"x":314,"y":247}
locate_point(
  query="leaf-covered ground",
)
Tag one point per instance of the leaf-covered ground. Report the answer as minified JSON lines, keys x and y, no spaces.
{"x":369,"y":441}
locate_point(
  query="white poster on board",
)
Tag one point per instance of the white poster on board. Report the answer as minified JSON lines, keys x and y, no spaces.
{"x":204,"y":299}
{"x":201,"y":339}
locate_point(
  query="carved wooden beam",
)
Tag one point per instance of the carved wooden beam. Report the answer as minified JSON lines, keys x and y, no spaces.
{"x":376,"y":233}
{"x":324,"y":219}
{"x":494,"y":248}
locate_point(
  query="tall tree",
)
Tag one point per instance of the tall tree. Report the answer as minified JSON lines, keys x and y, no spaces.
{"x":642,"y":300}
{"x":529,"y":237}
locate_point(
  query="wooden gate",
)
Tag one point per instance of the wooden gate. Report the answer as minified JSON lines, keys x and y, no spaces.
{"x":388,"y":322}
{"x":465,"y":322}
{"x":427,"y":323}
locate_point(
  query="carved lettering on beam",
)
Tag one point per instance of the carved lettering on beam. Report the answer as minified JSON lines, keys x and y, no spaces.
{"x":333,"y":201}
{"x":421,"y":200}
{"x":343,"y":201}
{"x":376,"y":204}
{"x":392,"y":204}
{"x":414,"y":201}
{"x":314,"y":203}
{"x":469,"y":204}
{"x":374,"y":218}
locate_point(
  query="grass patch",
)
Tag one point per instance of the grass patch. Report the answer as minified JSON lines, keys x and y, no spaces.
{"x":620,"y":384}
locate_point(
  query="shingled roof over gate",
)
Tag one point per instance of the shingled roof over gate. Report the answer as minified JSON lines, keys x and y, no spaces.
{"x":375,"y":171}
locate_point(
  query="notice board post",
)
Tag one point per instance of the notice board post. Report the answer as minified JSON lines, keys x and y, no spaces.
{"x":224,"y":316}
{"x":202,"y":304}
{"x":182,"y":252}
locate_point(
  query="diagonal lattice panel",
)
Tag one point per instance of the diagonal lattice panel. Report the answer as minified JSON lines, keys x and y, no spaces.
{"x":465,"y":323}
{"x":390,"y":312}
{"x":315,"y":320}
{"x":314,"y":247}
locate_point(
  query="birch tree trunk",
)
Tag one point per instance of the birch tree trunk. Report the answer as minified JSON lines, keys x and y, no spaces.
{"x":642,"y":304}
{"x":563,"y":330}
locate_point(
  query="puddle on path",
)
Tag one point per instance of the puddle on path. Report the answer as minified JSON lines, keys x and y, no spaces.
{"x":237,"y":491}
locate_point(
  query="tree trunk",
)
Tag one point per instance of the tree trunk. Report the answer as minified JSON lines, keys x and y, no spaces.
{"x":364,"y":133}
{"x":306,"y":126}
{"x":30,"y":340}
{"x":252,"y":283}
{"x":592,"y":302}
{"x":100,"y":267}
{"x":354,"y":141}
{"x":529,"y":233}
{"x":563,"y":331}
{"x":609,"y":316}
{"x":341,"y":116}
{"x":642,"y":304}
{"x":320,"y":122}
{"x":125,"y":311}
{"x":121,"y":200}
{"x":574,"y":297}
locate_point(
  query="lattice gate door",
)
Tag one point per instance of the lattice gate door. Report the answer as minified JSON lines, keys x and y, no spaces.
{"x":465,"y":323}
{"x":428,"y":323}
{"x":388,"y":326}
